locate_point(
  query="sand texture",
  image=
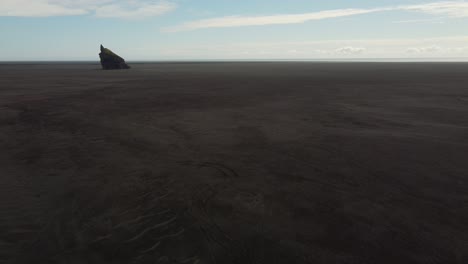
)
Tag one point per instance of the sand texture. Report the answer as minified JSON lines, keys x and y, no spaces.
{"x":234,"y":163}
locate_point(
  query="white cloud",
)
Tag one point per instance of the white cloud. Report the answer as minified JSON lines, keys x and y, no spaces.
{"x":292,"y":51}
{"x":350,"y":50}
{"x":454,"y":9}
{"x":436,"y":20}
{"x":139,"y":11}
{"x":87,"y":4}
{"x":429,"y":49}
{"x":449,"y":9}
{"x":100,"y":8}
{"x":458,"y":50}
{"x":454,"y":47}
{"x":37,"y":8}
{"x":239,"y":21}
{"x":149,"y":8}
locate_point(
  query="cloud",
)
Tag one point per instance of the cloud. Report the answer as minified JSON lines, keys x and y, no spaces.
{"x":454,"y":47}
{"x":100,"y":8}
{"x":239,"y":21}
{"x":457,"y":50}
{"x":429,"y":49}
{"x":140,"y":11}
{"x":350,"y":50}
{"x":436,"y":20}
{"x":454,"y":9}
{"x":450,"y":9}
{"x":37,"y":8}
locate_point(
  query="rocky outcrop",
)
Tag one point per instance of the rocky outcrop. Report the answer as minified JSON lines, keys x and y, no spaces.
{"x":111,"y":61}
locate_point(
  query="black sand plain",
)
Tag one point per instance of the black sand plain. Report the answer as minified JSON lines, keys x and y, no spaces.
{"x":266,"y":162}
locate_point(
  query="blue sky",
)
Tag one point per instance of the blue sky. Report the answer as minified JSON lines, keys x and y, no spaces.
{"x":221,"y":29}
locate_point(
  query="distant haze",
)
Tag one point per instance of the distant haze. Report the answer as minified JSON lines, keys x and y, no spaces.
{"x":149,"y":30}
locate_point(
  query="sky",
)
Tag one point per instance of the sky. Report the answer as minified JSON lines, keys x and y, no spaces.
{"x":70,"y":30}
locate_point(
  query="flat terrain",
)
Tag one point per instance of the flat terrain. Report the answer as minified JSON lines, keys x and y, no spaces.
{"x":234,"y":163}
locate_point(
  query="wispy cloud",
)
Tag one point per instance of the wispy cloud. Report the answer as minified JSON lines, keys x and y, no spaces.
{"x":428,"y":49}
{"x":99,"y":8}
{"x":239,"y":21}
{"x":437,"y":20}
{"x":140,"y":10}
{"x":451,"y":9}
{"x":38,"y":8}
{"x":455,"y":9}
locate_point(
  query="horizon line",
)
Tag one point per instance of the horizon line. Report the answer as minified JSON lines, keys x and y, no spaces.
{"x":426,"y":59}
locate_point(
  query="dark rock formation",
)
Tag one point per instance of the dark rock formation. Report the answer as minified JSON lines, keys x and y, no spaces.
{"x":111,"y":61}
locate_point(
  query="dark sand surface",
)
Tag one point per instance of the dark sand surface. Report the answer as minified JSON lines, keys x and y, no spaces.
{"x":234,"y":163}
